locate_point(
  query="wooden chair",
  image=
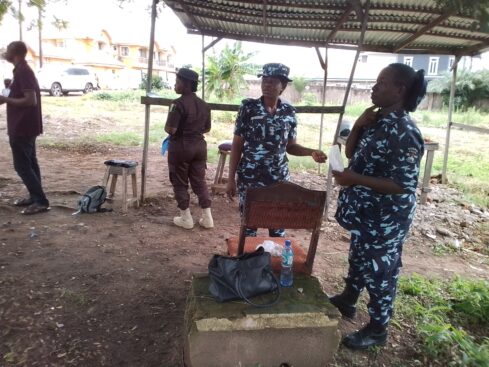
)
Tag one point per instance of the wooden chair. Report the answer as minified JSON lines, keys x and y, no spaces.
{"x":282,"y":205}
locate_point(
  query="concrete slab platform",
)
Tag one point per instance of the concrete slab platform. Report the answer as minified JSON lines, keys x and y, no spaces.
{"x":301,"y":330}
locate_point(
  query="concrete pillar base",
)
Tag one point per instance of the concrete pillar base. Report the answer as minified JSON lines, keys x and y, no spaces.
{"x":301,"y":330}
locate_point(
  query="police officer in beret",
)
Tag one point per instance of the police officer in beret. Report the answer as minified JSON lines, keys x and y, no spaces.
{"x":265,"y":131}
{"x":377,"y":200}
{"x":189,"y":118}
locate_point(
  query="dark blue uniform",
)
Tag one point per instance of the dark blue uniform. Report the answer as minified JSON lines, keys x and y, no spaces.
{"x":264,"y":157}
{"x":391,"y":148}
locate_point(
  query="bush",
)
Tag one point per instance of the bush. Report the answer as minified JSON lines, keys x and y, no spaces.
{"x":470,"y":87}
{"x":157,"y":82}
{"x":120,"y":96}
{"x":309,"y":99}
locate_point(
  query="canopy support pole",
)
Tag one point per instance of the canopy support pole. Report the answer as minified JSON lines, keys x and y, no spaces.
{"x":329,"y":180}
{"x":149,"y":78}
{"x":203,"y":68}
{"x":204,"y":49}
{"x":451,"y":107}
{"x":324,"y":66}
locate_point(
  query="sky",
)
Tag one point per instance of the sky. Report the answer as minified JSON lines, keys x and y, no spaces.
{"x":134,"y":19}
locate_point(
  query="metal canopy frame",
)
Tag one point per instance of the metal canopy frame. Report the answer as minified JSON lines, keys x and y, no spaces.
{"x":392,"y":26}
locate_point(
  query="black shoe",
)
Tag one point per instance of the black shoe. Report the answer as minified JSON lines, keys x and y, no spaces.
{"x":346,"y":310}
{"x":366,"y":337}
{"x":24,"y":202}
{"x":35,"y":208}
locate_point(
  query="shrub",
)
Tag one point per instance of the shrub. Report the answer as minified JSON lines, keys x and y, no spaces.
{"x":157,"y":82}
{"x":309,"y":99}
{"x":470,"y":87}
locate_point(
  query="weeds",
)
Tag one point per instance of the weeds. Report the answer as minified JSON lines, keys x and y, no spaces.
{"x":442,"y":248}
{"x":442,"y":312}
{"x":74,"y":298}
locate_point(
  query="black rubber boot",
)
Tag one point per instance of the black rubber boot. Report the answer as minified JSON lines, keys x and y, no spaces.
{"x":346,"y":301}
{"x":371,"y":335}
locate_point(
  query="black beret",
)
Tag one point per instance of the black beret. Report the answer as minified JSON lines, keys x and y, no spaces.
{"x":188,"y":74}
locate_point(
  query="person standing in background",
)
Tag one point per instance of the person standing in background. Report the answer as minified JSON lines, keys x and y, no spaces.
{"x":24,"y":125}
{"x":265,"y":132}
{"x":378,"y":198}
{"x":189,"y":118}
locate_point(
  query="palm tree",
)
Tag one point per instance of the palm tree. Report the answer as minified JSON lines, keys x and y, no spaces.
{"x":225,"y":72}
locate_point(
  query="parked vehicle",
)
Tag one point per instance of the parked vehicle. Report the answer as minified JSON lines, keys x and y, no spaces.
{"x":60,"y":80}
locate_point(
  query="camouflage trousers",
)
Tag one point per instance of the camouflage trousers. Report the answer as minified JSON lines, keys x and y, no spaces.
{"x":375,"y":265}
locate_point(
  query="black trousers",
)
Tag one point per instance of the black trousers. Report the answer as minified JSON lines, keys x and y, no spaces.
{"x":26,"y":166}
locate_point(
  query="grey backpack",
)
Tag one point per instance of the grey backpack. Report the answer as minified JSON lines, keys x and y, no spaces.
{"x":92,"y":200}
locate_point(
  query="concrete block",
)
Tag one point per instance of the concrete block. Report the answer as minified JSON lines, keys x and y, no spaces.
{"x":301,"y":330}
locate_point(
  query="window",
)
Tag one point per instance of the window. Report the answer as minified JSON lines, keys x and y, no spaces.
{"x":143,"y":53}
{"x":433,"y":66}
{"x":82,"y":72}
{"x":124,"y":51}
{"x":101,"y":45}
{"x":408,"y":60}
{"x":60,"y":43}
{"x":451,"y":60}
{"x":363,"y":58}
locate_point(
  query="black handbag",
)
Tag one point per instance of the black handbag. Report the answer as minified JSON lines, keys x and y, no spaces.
{"x":242,"y":277}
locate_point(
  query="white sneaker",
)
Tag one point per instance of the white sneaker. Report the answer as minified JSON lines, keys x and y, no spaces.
{"x":206,"y":221}
{"x":185,"y":219}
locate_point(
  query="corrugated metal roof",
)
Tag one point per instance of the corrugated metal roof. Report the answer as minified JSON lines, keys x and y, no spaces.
{"x":410,"y":26}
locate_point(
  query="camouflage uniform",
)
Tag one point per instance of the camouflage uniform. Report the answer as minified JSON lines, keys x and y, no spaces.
{"x":391,"y":148}
{"x":264,"y":159}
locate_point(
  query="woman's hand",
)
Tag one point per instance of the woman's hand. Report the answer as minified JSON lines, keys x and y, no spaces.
{"x":319,"y":156}
{"x":369,"y":116}
{"x":346,"y":178}
{"x":231,"y":188}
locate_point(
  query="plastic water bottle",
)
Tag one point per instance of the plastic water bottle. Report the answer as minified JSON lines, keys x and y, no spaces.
{"x":286,"y":275}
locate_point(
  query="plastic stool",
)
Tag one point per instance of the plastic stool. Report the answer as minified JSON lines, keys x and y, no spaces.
{"x":219,"y":184}
{"x":115,"y":168}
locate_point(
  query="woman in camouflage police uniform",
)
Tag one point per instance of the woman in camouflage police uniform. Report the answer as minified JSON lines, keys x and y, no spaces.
{"x":266,"y":130}
{"x":377,"y":201}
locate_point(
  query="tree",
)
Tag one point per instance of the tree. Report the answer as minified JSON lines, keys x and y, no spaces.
{"x":299,"y":83}
{"x":225,"y":72}
{"x":470,"y":87}
{"x":4,"y":7}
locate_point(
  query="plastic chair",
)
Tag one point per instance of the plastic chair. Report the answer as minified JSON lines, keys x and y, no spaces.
{"x":282,"y":205}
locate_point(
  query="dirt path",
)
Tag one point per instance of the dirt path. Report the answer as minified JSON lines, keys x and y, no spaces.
{"x":109,"y":289}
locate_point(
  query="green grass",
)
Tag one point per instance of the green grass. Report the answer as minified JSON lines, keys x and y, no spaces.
{"x":451,"y":318}
{"x":440,"y":118}
{"x":118,"y":119}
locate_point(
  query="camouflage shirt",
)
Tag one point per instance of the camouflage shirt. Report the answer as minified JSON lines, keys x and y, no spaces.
{"x":391,"y":148}
{"x":264,"y":159}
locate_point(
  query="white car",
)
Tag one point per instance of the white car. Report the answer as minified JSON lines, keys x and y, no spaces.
{"x":60,"y":80}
